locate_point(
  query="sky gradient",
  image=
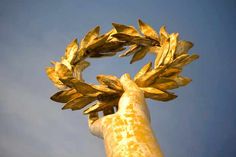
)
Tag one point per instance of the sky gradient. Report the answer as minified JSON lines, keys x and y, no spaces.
{"x":201,"y":122}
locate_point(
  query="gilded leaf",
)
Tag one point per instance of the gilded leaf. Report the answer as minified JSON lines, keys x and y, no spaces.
{"x":111,"y":81}
{"x":71,"y":51}
{"x":182,"y":81}
{"x":154,"y":49}
{"x":97,"y":42}
{"x":50,"y":71}
{"x":119,"y":49}
{"x":79,"y":103}
{"x":187,"y":60}
{"x":130,"y":30}
{"x":156,"y":94}
{"x":144,"y":41}
{"x":99,"y":55}
{"x":123,"y":37}
{"x":147,"y":30}
{"x":81,"y":87}
{"x":173,"y":44}
{"x":65,"y":62}
{"x":104,"y":89}
{"x":79,"y":68}
{"x":89,"y":37}
{"x":163,"y":35}
{"x":143,"y":70}
{"x":105,"y":97}
{"x":94,"y":108}
{"x":134,"y":39}
{"x":183,"y":47}
{"x":165,"y":84}
{"x":149,"y":77}
{"x":52,"y":75}
{"x":171,"y":72}
{"x":112,"y":46}
{"x":139,"y":54}
{"x":162,"y":53}
{"x":133,"y":49}
{"x":101,"y":106}
{"x":110,"y":33}
{"x":62,"y":71}
{"x":179,"y":59}
{"x":65,"y":96}
{"x":80,"y":56}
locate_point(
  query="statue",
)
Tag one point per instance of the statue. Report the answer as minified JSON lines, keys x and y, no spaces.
{"x":125,"y":126}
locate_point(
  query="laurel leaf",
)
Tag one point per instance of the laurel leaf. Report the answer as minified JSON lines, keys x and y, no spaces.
{"x":154,"y":49}
{"x":106,"y":97}
{"x":111,"y":46}
{"x":186,"y":60}
{"x":97,"y":42}
{"x":104,"y":89}
{"x":173,"y":44}
{"x":134,"y":39}
{"x":162,"y":53}
{"x":178,"y":60}
{"x":79,"y":68}
{"x":110,"y":33}
{"x":131,"y":50}
{"x":99,"y":55}
{"x":164,"y":84}
{"x":95,"y":108}
{"x":80,"y":56}
{"x":79,"y":103}
{"x":111,"y":81}
{"x":149,"y":77}
{"x":101,"y":106}
{"x":171,"y":72}
{"x":65,"y":96}
{"x":62,"y":71}
{"x":138,"y":55}
{"x":183,"y":47}
{"x":71,"y":51}
{"x":144,"y":41}
{"x":80,"y":87}
{"x":156,"y":94}
{"x":147,"y":30}
{"x":50,"y":71}
{"x":182,"y":81}
{"x":89,"y":37}
{"x":143,"y":70}
{"x":130,"y":30}
{"x":164,"y":35}
{"x":65,"y":62}
{"x":52,"y":75}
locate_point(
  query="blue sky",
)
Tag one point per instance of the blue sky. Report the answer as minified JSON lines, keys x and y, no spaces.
{"x":200,"y":122}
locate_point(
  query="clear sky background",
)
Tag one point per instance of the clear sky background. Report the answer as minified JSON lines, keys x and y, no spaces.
{"x":201,"y":122}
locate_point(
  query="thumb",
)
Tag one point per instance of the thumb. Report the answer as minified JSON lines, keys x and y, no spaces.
{"x":128,"y":84}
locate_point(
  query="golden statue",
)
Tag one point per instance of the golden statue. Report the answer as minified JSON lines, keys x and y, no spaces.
{"x":125,"y":126}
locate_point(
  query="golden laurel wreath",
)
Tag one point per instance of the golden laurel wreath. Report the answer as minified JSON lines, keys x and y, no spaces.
{"x":155,"y":81}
